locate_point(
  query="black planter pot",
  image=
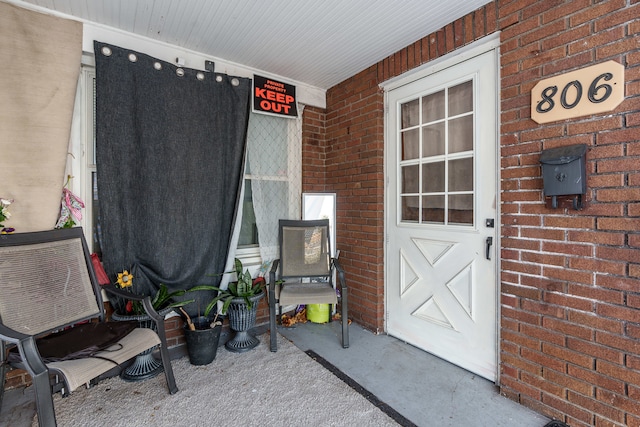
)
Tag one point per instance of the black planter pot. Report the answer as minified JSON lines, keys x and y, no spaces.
{"x":202,"y":344}
{"x":241,"y":319}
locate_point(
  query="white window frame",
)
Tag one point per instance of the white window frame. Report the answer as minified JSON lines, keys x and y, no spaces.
{"x":81,"y":162}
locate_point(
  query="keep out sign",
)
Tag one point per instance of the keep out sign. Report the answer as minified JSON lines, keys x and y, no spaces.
{"x":274,"y":97}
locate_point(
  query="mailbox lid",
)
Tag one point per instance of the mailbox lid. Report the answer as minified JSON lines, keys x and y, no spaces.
{"x":563,"y":155}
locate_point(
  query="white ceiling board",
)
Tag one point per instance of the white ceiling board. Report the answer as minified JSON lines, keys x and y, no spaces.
{"x":320,"y":43}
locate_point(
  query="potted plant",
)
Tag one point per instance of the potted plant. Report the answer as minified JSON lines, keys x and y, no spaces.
{"x":240,"y":304}
{"x":202,"y":336}
{"x":162,"y":302}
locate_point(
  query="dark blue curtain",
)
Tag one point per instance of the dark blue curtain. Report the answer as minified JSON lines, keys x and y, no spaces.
{"x":170,"y":148}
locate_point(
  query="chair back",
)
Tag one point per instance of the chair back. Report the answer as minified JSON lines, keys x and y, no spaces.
{"x":305,"y":249}
{"x":49,"y":270}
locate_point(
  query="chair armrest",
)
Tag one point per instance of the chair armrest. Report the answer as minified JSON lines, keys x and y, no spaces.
{"x":148,"y":307}
{"x":272,"y":274}
{"x":9,"y":335}
{"x":27,"y":348}
{"x":146,"y":300}
{"x":112,"y":289}
{"x":341,"y":278}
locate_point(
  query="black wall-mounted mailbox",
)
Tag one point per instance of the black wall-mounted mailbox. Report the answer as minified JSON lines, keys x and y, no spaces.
{"x":564,"y":173}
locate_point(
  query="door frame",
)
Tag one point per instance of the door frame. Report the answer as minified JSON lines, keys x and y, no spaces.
{"x":484,"y":45}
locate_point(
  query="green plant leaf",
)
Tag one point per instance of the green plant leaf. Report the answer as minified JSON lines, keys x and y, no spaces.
{"x":233,"y":288}
{"x":210,"y":306}
{"x":242,"y":287}
{"x":163,"y":296}
{"x":246,"y":279}
{"x":205,"y":288}
{"x":180,"y":303}
{"x":159,"y":295}
{"x":226,"y":305}
{"x":238,"y":267}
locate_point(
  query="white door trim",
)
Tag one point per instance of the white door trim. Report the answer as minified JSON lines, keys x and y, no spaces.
{"x":479,"y":47}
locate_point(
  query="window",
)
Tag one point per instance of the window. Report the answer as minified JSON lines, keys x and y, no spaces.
{"x":83,"y":164}
{"x":437,"y":157}
{"x":249,"y":229}
{"x":273,"y":181}
{"x":272,"y":177}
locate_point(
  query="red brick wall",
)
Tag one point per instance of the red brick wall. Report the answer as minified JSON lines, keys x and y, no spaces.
{"x":570,"y":280}
{"x":313,"y":148}
{"x":354,"y":151}
{"x":354,"y":170}
{"x":570,"y":347}
{"x":17,"y":378}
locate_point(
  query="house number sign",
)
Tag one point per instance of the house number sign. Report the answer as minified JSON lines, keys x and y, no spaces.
{"x":591,"y":90}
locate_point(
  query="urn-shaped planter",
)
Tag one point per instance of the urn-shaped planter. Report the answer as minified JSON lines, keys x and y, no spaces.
{"x":241,"y":319}
{"x":240,"y":304}
{"x":145,"y":365}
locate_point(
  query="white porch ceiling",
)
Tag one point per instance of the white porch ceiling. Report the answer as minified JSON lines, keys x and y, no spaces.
{"x":320,"y":43}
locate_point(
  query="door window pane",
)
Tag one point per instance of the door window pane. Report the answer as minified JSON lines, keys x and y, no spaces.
{"x":461,"y":98}
{"x":410,"y":208}
{"x":410,"y":179}
{"x":461,"y":175}
{"x":433,"y":139}
{"x":461,"y":134}
{"x":460,"y":209}
{"x":433,"y":177}
{"x":410,"y":114}
{"x":433,"y":107}
{"x":410,"y":144}
{"x":433,"y":209}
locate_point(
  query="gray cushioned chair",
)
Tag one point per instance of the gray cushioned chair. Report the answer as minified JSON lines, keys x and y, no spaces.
{"x":304,"y":272}
{"x":47,"y":283}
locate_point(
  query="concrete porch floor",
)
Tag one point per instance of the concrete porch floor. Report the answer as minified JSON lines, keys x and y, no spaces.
{"x":424,"y":389}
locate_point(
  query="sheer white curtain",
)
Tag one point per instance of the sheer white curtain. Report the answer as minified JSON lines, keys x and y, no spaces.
{"x":274,"y":152}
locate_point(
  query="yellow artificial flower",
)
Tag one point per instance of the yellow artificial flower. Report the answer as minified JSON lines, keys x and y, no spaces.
{"x":125,"y":279}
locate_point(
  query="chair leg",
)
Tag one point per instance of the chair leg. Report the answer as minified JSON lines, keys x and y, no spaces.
{"x":40,"y":380}
{"x":166,"y":359}
{"x":44,"y":400}
{"x":345,"y":320}
{"x":272,"y":321}
{"x":3,"y":369}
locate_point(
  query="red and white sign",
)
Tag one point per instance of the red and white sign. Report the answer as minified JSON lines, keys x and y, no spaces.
{"x":274,"y":97}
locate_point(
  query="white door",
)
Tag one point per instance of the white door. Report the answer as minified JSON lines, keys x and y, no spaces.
{"x":441,"y":290}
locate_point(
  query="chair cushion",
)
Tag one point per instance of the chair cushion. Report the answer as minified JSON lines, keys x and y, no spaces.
{"x":307,"y":293}
{"x":80,"y":341}
{"x":80,"y":371}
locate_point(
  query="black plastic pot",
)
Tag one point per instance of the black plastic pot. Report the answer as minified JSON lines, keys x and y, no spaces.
{"x":202,"y":344}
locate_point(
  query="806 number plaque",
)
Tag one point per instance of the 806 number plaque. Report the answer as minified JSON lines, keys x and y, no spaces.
{"x":591,"y":90}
